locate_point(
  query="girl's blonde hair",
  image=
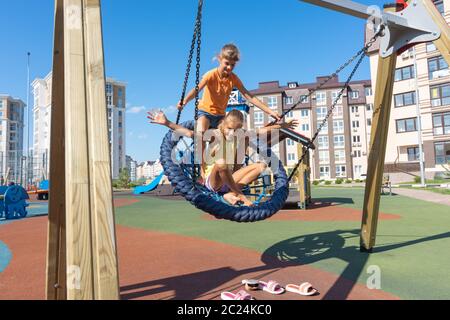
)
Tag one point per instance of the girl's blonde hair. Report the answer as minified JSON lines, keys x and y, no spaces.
{"x":235,"y":114}
{"x":230,"y":52}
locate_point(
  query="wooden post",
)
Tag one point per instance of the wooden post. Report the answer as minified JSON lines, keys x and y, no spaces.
{"x":85,"y":254}
{"x":102,"y":208}
{"x":301,"y":179}
{"x":56,"y":259}
{"x":443,"y":43}
{"x":380,"y":128}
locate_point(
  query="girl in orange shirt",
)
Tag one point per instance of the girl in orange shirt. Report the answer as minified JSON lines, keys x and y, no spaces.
{"x":218,"y":84}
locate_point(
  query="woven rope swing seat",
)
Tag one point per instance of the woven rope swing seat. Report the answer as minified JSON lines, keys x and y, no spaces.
{"x":208,"y":201}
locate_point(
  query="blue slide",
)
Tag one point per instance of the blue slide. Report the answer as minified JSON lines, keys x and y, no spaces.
{"x":150,"y":187}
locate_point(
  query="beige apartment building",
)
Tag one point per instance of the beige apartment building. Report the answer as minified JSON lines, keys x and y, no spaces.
{"x":341,"y":147}
{"x":116,"y":104}
{"x":421,"y":99}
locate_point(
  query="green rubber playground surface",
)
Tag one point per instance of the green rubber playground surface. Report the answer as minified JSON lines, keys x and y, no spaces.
{"x":412,"y":252}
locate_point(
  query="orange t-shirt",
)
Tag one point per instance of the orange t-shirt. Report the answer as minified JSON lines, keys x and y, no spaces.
{"x":217,"y":92}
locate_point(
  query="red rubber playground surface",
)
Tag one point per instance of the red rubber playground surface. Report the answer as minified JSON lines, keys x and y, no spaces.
{"x":172,"y":251}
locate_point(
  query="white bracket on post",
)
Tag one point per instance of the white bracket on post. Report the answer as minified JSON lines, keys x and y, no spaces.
{"x":409,"y":26}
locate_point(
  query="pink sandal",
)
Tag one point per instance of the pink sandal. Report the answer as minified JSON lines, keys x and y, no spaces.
{"x":305,"y":289}
{"x":240,"y":295}
{"x":272,"y":287}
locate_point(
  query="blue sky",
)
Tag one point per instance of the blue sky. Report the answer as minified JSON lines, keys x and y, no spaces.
{"x":147,"y":41}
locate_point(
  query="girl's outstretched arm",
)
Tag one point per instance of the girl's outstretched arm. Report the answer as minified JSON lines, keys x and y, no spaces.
{"x":261,"y":105}
{"x":292,"y":124}
{"x":160,"y":118}
{"x":191,"y":94}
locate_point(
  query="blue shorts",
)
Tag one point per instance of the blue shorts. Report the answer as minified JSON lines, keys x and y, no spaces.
{"x":213,"y":119}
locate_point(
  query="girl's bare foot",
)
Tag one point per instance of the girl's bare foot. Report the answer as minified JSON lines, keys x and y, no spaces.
{"x":231,"y":198}
{"x":245,"y":201}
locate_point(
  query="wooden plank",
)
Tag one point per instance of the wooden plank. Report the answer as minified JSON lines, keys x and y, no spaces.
{"x":301,"y":178}
{"x":56,"y":266}
{"x":106,"y":283}
{"x":380,"y":128}
{"x":80,"y":284}
{"x":443,"y":43}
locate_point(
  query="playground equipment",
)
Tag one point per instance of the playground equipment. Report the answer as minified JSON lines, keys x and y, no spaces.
{"x":149,"y":187}
{"x":406,"y":24}
{"x":82,"y":258}
{"x":13,"y":203}
{"x":304,"y":178}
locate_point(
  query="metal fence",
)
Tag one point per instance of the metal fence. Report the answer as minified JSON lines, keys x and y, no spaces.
{"x":23,"y":169}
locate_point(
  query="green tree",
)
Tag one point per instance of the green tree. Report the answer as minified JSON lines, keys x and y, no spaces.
{"x":124,"y":178}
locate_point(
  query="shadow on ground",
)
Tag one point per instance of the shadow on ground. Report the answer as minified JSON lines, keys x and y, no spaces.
{"x":302,"y":250}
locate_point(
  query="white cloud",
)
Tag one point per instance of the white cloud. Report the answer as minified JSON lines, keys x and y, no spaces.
{"x":143,"y":136}
{"x":136,"y":110}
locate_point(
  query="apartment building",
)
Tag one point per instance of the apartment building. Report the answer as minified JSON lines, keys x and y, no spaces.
{"x":343,"y":141}
{"x":116,"y":104}
{"x":421,"y":100}
{"x":131,"y":165}
{"x":11,"y":138}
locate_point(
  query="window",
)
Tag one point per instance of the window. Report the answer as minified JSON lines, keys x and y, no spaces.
{"x":321,"y":112}
{"x":404,"y":73}
{"x":413,"y":154}
{"x":324,"y":157}
{"x":289,"y":100}
{"x":358,"y":170}
{"x":341,"y":172}
{"x":369,"y":122}
{"x":441,"y":123}
{"x":324,"y":128}
{"x":323,"y":142}
{"x":120,"y":92}
{"x":440,"y":6}
{"x":440,"y":95}
{"x":339,"y":141}
{"x":290,"y":142}
{"x":431,"y":47}
{"x":293,"y":85}
{"x":355,"y":124}
{"x":442,"y":151}
{"x":304,"y":98}
{"x":291,"y":156}
{"x":357,"y":154}
{"x":290,"y":114}
{"x":272,"y":102}
{"x":334,"y":96}
{"x":304,"y":113}
{"x":324,"y":172}
{"x":354,"y":94}
{"x":356,"y":139}
{"x":321,"y":98}
{"x":259,"y":117}
{"x":368,"y":91}
{"x":305,"y":127}
{"x":355,"y":109}
{"x":405,"y":99}
{"x":338,"y":112}
{"x":437,"y":68}
{"x":406,"y":125}
{"x":338,"y":126}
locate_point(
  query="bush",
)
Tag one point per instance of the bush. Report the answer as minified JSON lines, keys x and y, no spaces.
{"x":315,"y":182}
{"x":348,"y":181}
{"x":339,"y":181}
{"x":417,"y":180}
{"x":327,"y":183}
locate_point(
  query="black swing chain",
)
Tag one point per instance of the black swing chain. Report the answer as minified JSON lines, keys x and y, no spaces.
{"x":191,"y":55}
{"x":196,"y":169}
{"x":361,"y":54}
